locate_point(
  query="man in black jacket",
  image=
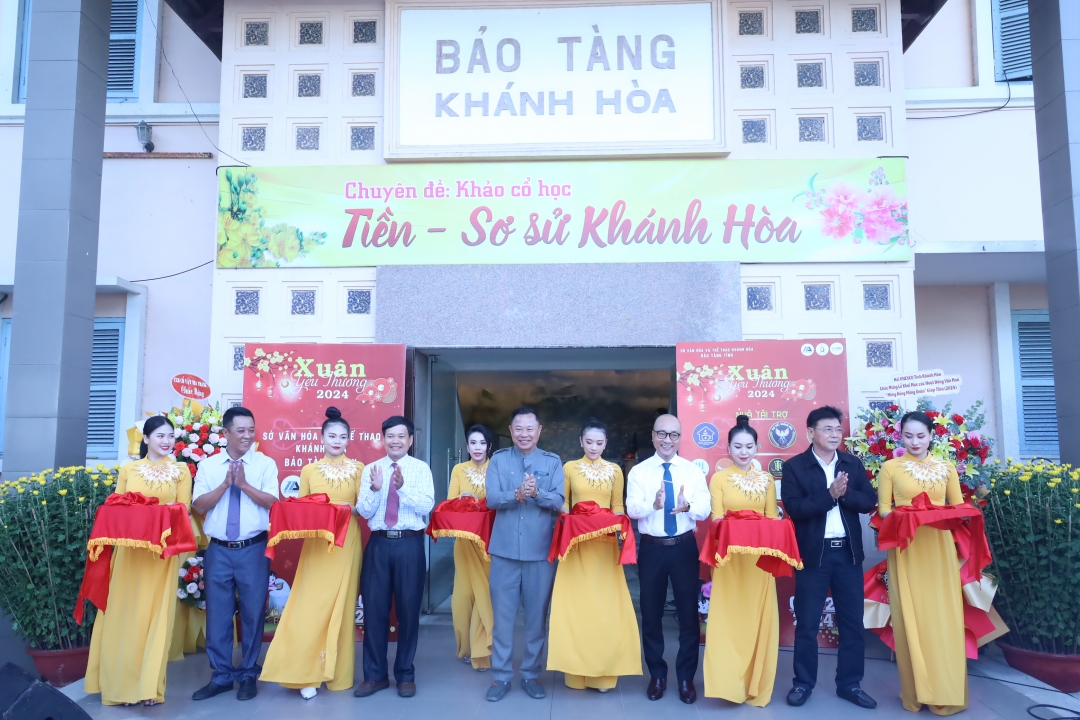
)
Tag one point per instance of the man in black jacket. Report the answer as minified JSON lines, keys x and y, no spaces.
{"x":824,"y":490}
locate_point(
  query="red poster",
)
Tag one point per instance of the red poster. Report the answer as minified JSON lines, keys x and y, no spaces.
{"x":288,"y":387}
{"x":777,"y":383}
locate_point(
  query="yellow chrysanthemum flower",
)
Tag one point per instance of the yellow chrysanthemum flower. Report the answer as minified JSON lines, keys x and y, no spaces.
{"x":62,"y":492}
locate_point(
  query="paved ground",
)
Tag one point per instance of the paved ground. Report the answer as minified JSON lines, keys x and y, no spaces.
{"x":450,"y":690}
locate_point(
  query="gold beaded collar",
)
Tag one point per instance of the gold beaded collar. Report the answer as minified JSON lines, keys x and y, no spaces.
{"x":929,"y":472}
{"x":597,"y":474}
{"x":477,"y":475}
{"x":160,"y":475}
{"x":337,"y":472}
{"x":752,"y":484}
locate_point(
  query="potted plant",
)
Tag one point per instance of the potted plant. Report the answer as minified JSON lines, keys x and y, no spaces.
{"x":44,"y":523}
{"x":1033,"y":524}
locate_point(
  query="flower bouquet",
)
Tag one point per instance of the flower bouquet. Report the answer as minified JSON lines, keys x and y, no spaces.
{"x":191,"y":589}
{"x":956,"y":439}
{"x":199,"y":434}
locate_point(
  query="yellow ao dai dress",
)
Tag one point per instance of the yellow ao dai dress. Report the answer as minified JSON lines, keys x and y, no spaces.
{"x":742,"y":637}
{"x":925,"y":597}
{"x":129,"y":647}
{"x":315,"y":640}
{"x":471,"y":602}
{"x":594,"y":634}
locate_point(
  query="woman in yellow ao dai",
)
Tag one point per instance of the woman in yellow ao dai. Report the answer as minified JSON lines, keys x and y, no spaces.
{"x":315,"y":640}
{"x":593,"y":636}
{"x":471,"y":601}
{"x":925,"y":596}
{"x":129,"y":646}
{"x":742,"y":636}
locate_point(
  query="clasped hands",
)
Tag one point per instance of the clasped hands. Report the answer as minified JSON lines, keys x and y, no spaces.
{"x":527,"y":489}
{"x":839,"y":485}
{"x":681,"y":505}
{"x":377,"y":478}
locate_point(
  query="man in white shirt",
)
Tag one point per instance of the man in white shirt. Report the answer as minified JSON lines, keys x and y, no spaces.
{"x":396,"y":495}
{"x":668,"y":495}
{"x":235,"y":490}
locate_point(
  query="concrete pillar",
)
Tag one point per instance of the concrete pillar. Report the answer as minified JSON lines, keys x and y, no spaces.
{"x":56,"y":255}
{"x":1006,"y":412}
{"x":1055,"y":55}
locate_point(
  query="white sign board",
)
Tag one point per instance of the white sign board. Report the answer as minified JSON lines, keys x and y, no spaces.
{"x":922,"y":384}
{"x":511,"y":81}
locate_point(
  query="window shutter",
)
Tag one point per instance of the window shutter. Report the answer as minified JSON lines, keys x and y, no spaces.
{"x":1012,"y":40}
{"x":123,"y":80}
{"x":123,"y":48}
{"x":102,"y":426}
{"x":1038,"y":406}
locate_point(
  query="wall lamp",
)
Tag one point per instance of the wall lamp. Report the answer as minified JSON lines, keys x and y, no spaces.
{"x":144,"y":132}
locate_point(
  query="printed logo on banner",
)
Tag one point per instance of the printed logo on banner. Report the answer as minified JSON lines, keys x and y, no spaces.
{"x":836,"y":348}
{"x":807,"y":349}
{"x":776,"y":468}
{"x":706,"y":435}
{"x":782,"y":435}
{"x":702,"y":466}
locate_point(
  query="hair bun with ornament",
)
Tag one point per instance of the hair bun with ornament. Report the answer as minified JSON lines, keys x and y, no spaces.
{"x":332,"y":413}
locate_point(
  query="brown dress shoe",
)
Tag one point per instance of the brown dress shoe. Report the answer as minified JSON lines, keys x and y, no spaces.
{"x":406,"y":689}
{"x":687,"y":692}
{"x":370,"y":687}
{"x":657,"y":686}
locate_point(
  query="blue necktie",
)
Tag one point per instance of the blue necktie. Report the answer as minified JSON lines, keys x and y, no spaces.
{"x":232,"y":523}
{"x":670,"y":526}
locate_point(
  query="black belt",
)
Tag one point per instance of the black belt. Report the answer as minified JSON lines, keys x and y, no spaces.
{"x":835,"y":542}
{"x":397,"y":534}
{"x":675,"y":540}
{"x":238,"y":544}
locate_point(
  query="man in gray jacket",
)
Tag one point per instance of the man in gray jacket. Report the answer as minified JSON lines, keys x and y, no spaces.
{"x":525,"y":489}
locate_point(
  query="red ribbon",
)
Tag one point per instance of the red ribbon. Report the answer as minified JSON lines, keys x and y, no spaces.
{"x":964,"y":521}
{"x":977,"y":623}
{"x":130,"y":516}
{"x":586,"y":519}
{"x":462,"y":515}
{"x":308,"y":516}
{"x":740,"y":531}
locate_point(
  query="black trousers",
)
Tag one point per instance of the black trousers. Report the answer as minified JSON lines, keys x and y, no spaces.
{"x":393,"y":573}
{"x":657,"y":564}
{"x":839,"y":572}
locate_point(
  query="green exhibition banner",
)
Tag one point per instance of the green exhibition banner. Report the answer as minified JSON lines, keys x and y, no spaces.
{"x":700,"y":210}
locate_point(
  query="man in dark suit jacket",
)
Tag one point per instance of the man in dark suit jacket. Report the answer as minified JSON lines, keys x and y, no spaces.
{"x":824,"y":490}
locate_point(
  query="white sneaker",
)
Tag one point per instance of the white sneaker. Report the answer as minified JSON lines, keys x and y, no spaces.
{"x":308,"y":692}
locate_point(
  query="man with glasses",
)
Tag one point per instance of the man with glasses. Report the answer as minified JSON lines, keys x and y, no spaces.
{"x":824,"y":491}
{"x":667,"y":495}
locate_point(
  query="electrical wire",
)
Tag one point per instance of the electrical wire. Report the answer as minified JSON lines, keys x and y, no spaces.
{"x":1071,"y":716}
{"x":1008,"y":82}
{"x":161,"y":46}
{"x":174,"y":274}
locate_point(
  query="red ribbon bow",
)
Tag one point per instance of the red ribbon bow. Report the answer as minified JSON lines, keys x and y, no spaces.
{"x":311,"y":516}
{"x":586,"y":521}
{"x":463,"y":517}
{"x":740,"y":532}
{"x":130,"y":519}
{"x":966,"y":523}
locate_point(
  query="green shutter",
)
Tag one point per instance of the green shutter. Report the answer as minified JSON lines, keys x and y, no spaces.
{"x":1035,"y":386}
{"x":103,"y":422}
{"x":1012,"y":40}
